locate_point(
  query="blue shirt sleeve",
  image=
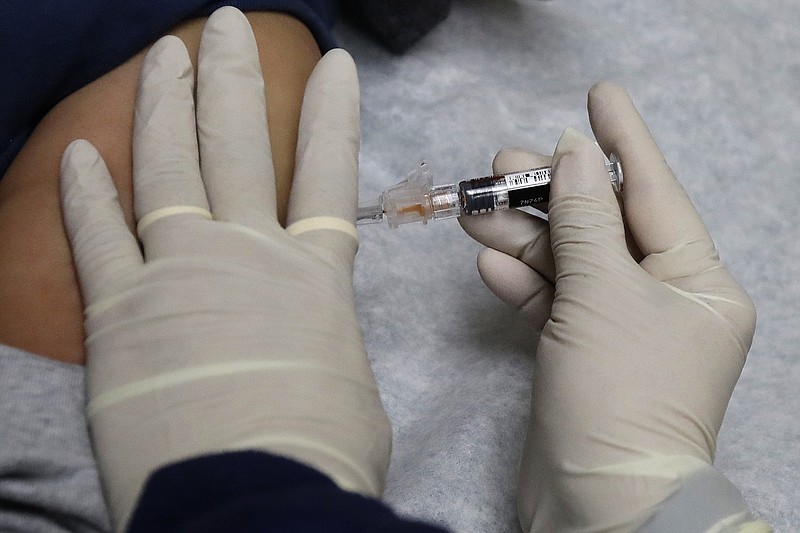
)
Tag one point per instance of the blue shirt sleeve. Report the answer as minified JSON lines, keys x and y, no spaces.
{"x":48,"y":50}
{"x":249,"y":492}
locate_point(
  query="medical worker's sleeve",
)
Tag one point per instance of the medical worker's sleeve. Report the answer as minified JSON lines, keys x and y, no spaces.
{"x":252,"y":492}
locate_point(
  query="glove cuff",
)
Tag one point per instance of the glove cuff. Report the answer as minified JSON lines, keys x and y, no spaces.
{"x":653,"y":495}
{"x":705,"y":501}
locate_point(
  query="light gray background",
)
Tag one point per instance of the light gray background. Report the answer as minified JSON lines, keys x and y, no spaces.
{"x":718,"y":83}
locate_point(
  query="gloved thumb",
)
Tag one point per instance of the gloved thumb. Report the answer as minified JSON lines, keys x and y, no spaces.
{"x":585,"y":219}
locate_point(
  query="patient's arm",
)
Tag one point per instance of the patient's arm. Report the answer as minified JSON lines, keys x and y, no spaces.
{"x":40,"y":306}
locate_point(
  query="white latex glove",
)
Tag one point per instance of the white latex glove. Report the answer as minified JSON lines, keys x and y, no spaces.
{"x":638,"y":359}
{"x":225,"y":331}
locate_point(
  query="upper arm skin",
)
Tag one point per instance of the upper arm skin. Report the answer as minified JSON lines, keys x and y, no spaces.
{"x":40,"y":306}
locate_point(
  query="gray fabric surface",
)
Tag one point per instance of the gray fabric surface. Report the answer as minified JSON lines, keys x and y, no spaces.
{"x":718,"y":82}
{"x":48,"y":476}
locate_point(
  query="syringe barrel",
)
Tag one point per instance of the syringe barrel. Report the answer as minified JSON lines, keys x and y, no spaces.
{"x":496,"y":193}
{"x":518,"y":189}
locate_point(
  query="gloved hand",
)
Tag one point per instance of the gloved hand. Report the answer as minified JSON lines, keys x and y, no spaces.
{"x":517,"y":263}
{"x":225,"y":331}
{"x":638,"y":359}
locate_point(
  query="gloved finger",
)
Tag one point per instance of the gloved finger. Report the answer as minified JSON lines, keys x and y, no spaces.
{"x":322,"y":205}
{"x":518,"y":285}
{"x":515,"y":233}
{"x":583,"y":208}
{"x":103,"y":247}
{"x":658,"y":212}
{"x":166,"y":170}
{"x":234,"y":141}
{"x":520,"y":235}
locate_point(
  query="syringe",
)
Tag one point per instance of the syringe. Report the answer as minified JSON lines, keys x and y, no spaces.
{"x":417,"y":199}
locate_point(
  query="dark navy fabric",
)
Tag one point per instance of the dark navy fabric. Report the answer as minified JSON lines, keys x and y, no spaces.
{"x":50,"y":49}
{"x":249,"y":492}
